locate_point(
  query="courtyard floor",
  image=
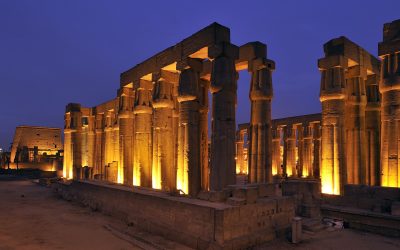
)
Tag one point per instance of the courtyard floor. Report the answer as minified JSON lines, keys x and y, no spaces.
{"x":31,"y":217}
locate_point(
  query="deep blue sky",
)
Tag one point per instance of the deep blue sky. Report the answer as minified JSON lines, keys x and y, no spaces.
{"x":55,"y":52}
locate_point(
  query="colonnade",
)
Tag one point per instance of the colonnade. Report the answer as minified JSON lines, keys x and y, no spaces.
{"x":295,"y":146}
{"x":154,"y":134}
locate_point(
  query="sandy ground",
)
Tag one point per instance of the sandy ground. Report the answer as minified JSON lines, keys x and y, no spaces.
{"x":337,"y":239}
{"x":32,"y":218}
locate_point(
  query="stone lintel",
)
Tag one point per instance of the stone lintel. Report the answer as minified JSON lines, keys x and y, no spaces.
{"x":252,"y":50}
{"x":332,"y":61}
{"x":391,"y":30}
{"x":259,"y":63}
{"x":356,"y":71}
{"x":389,"y":47}
{"x":345,"y":47}
{"x":223,"y":48}
{"x":296,"y":120}
{"x":188,"y":62}
{"x":210,"y":35}
{"x":73,"y":107}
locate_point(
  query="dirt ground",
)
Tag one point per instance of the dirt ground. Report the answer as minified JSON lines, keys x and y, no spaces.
{"x":339,"y":239}
{"x":31,"y":217}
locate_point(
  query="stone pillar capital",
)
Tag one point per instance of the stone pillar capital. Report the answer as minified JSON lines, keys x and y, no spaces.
{"x":223,"y":49}
{"x":188,"y":85}
{"x":332,"y":62}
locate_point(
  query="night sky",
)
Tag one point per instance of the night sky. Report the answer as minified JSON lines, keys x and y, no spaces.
{"x":55,"y":52}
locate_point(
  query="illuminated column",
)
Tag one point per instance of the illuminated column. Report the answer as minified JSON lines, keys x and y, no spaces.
{"x":355,"y":103}
{"x":143,"y":138}
{"x":73,"y":143}
{"x":240,"y":151}
{"x":204,"y":168}
{"x":163,"y":137}
{"x":372,"y":130}
{"x":260,"y":148}
{"x":276,"y":151}
{"x":316,"y":160}
{"x":332,"y":94}
{"x":290,"y":150}
{"x":125,"y":121}
{"x":223,"y":88}
{"x":67,"y":165}
{"x":188,"y":172}
{"x":91,"y":137}
{"x":108,"y":139}
{"x":307,"y":152}
{"x":300,"y":149}
{"x":175,"y":130}
{"x":389,"y":52}
{"x":99,"y":164}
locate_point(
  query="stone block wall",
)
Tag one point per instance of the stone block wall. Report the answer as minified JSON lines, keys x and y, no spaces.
{"x":196,"y":223}
{"x":376,"y":199}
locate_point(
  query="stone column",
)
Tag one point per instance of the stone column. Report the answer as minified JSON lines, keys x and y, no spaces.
{"x":204,"y":159}
{"x":223,"y":88}
{"x":316,"y":163}
{"x":126,"y":136}
{"x":99,"y":164}
{"x":91,"y":138}
{"x":175,"y":130}
{"x":68,"y":159}
{"x":189,"y":173}
{"x":143,"y":111}
{"x":290,"y":150}
{"x":372,"y":130}
{"x":307,"y":154}
{"x":276,"y":152}
{"x":260,"y":148}
{"x":300,"y":149}
{"x":108,"y":140}
{"x":163,"y":137}
{"x":73,"y":142}
{"x":240,"y":151}
{"x":355,"y":103}
{"x":389,"y":87}
{"x":332,"y":96}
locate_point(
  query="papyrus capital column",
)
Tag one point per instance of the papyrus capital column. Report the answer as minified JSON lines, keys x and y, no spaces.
{"x":332,"y":94}
{"x":142,"y":169}
{"x":126,"y":128}
{"x":223,"y":88}
{"x":189,"y":173}
{"x":163,"y":138}
{"x":260,"y":149}
{"x":389,"y":86}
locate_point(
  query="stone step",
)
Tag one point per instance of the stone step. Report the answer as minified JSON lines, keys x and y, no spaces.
{"x":312,"y":225}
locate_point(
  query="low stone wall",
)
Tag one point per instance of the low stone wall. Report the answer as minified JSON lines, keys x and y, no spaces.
{"x":374,"y":209}
{"x":196,"y":223}
{"x":376,"y":199}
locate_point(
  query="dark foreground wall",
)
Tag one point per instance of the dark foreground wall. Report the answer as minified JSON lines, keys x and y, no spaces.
{"x":196,"y":223}
{"x":375,"y":209}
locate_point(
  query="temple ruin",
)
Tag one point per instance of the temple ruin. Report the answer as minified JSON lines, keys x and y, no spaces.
{"x":238,"y":186}
{"x":37,"y":147}
{"x":155,"y":132}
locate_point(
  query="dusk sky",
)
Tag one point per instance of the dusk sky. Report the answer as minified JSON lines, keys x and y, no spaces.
{"x":55,"y":52}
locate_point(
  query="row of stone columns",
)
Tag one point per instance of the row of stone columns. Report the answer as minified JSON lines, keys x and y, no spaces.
{"x":350,"y":120}
{"x":155,"y":133}
{"x":389,"y":87}
{"x":299,"y":156}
